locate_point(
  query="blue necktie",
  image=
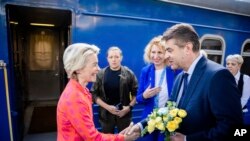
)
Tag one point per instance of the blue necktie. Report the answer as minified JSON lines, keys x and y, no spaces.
{"x":185,"y":85}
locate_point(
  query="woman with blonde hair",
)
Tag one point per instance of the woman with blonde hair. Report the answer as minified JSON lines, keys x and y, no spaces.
{"x":156,"y":81}
{"x":74,"y":109}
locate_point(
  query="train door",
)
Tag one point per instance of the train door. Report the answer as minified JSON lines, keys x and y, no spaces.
{"x":37,"y":39}
{"x":43,"y":64}
{"x":43,"y":81}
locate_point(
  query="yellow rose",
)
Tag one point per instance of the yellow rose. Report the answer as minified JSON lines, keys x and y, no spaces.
{"x":172,"y":126}
{"x":151,"y":128}
{"x":160,"y":126}
{"x":182,"y":113}
{"x":173,"y":112}
{"x":151,"y":122}
{"x":158,"y":120}
{"x":178,"y":120}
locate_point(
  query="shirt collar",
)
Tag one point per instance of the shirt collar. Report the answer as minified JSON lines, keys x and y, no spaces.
{"x":237,"y":76}
{"x":191,"y":68}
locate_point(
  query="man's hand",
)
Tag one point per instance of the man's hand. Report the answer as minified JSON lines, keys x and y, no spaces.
{"x":134,"y":129}
{"x":133,"y":135}
{"x":177,"y":137}
{"x":124,"y":131}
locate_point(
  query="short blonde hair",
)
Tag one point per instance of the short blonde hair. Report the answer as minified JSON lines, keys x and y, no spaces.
{"x":236,"y":57}
{"x":114,"y":48}
{"x":75,"y":57}
{"x":156,"y":41}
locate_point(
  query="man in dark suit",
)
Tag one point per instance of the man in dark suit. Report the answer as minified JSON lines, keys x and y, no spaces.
{"x":211,"y":97}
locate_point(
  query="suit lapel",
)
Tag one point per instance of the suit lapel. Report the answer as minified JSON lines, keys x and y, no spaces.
{"x":192,"y":84}
{"x":170,"y":79}
{"x":177,"y":86}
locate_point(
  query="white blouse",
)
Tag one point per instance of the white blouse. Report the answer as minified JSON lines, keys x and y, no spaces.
{"x":246,"y":88}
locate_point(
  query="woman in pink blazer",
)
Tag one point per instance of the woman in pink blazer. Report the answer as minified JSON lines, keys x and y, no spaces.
{"x":74,"y":109}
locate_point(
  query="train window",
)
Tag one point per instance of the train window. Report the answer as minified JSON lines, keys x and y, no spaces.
{"x":215,"y":58}
{"x":246,"y":47}
{"x":246,"y":56}
{"x":211,"y":44}
{"x":214,"y":47}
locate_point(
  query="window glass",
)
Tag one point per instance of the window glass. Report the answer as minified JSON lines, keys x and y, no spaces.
{"x":214,"y":47}
{"x":211,"y":44}
{"x":215,"y":58}
{"x":245,"y":68}
{"x":247,"y":47}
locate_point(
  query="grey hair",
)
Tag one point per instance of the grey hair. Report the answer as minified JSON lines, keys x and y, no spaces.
{"x":236,"y":57}
{"x":75,"y":57}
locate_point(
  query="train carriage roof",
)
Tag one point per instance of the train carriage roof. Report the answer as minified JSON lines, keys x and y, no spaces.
{"x":232,"y":6}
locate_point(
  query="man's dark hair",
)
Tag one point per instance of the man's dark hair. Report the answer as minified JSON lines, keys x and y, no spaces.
{"x":182,"y":33}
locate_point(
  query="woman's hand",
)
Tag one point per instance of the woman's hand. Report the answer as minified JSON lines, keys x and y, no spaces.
{"x":113,"y":110}
{"x":124,"y":111}
{"x":150,"y":92}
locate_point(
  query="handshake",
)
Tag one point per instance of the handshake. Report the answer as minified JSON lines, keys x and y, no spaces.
{"x":132,"y":132}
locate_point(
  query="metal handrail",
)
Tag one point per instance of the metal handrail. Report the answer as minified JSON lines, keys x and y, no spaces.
{"x":3,"y":66}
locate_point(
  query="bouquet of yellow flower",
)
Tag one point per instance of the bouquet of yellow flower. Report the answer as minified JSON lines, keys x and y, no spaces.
{"x":166,"y":119}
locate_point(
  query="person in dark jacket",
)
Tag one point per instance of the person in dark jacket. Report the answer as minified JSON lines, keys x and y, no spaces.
{"x":114,"y":91}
